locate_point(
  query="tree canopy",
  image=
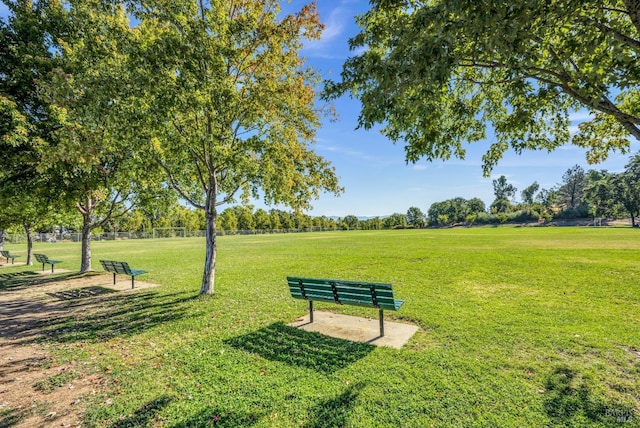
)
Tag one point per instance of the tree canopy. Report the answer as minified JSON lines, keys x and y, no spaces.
{"x":441,"y":73}
{"x":224,"y":103}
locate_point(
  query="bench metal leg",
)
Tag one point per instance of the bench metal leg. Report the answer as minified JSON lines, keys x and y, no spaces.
{"x":133,"y":278}
{"x":52,"y":266}
{"x":381,"y":323}
{"x":310,"y":311}
{"x":43,"y":267}
{"x":114,"y":278}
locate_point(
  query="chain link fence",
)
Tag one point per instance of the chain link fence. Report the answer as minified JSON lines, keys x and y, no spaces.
{"x":176,"y":232}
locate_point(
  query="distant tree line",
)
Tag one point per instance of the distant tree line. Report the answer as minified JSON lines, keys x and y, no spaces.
{"x":580,"y":194}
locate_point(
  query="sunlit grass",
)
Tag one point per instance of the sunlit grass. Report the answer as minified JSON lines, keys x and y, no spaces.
{"x":519,"y":327}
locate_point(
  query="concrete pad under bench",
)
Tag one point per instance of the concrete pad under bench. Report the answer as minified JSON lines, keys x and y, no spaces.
{"x":48,"y":272}
{"x":357,"y":329}
{"x":126,"y":285}
{"x":4,"y":264}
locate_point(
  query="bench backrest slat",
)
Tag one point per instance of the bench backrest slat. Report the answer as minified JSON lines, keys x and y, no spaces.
{"x":349,"y":292}
{"x":41,"y":258}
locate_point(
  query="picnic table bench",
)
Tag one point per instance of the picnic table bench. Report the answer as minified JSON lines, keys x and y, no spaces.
{"x":123,"y":268}
{"x":357,"y":293}
{"x":8,"y":255}
{"x":46,"y":260}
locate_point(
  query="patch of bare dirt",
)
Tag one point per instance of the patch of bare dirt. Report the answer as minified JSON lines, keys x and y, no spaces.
{"x":36,"y":390}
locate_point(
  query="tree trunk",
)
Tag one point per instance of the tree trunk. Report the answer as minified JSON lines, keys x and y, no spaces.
{"x":2,"y":235}
{"x":85,"y":265}
{"x":87,"y":226}
{"x":208,"y":277}
{"x":27,"y":229}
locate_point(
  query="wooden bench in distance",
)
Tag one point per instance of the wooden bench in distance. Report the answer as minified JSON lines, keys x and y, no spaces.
{"x":46,"y":260}
{"x":123,"y":268}
{"x":8,"y":255}
{"x":356,"y":293}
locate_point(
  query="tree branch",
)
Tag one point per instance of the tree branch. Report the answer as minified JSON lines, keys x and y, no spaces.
{"x":81,"y":209}
{"x":618,"y":35}
{"x":633,"y":9}
{"x":230,"y":195}
{"x":110,"y":215}
{"x":175,"y":184}
{"x":603,"y":104}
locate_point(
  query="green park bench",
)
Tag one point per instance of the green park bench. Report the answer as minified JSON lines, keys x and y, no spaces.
{"x":123,"y":268}
{"x":357,"y":293}
{"x":8,"y":255}
{"x":46,"y":261}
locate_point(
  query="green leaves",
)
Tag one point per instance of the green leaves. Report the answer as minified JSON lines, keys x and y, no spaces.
{"x":228,"y":102}
{"x":441,"y":73}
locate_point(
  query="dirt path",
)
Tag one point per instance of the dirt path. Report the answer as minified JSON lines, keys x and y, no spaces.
{"x":36,"y":390}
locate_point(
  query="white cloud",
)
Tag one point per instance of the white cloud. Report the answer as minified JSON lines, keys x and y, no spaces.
{"x":360,"y":50}
{"x":366,"y":157}
{"x":334,"y":26}
{"x":580,"y":116}
{"x":348,"y":152}
{"x":573,"y":129}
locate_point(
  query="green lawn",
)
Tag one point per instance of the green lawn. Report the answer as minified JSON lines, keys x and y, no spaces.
{"x":518,"y":327}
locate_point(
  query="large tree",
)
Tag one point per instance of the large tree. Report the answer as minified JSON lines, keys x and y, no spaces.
{"x":571,"y":190}
{"x":528,"y":193}
{"x":626,"y":188}
{"x":600,"y":194}
{"x":227,"y":106}
{"x":97,"y":169}
{"x":504,"y":192}
{"x":27,"y":122}
{"x":436,"y":74}
{"x":416,"y":217}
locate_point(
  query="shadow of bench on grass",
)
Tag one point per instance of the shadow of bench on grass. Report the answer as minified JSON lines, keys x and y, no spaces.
{"x":279,"y":342}
{"x":79,"y":293}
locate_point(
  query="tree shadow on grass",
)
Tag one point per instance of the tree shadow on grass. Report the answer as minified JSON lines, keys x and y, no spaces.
{"x":115,"y":314}
{"x":571,"y":401}
{"x":335,"y":412}
{"x":79,"y":293}
{"x":144,"y":415}
{"x":214,"y":417}
{"x":297,"y":347}
{"x":88,"y":313}
{"x":11,"y":417}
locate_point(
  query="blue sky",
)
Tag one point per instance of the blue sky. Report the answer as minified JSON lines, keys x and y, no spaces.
{"x":372,"y":170}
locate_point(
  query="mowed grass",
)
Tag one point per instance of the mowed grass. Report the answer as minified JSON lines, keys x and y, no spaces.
{"x":518,"y":327}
